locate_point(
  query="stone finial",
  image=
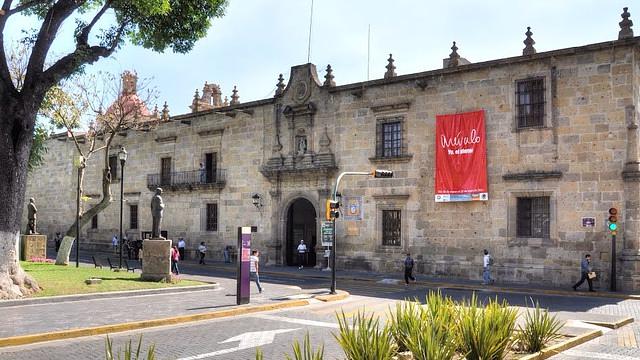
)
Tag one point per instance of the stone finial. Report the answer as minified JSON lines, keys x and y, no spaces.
{"x":165,"y":112}
{"x":390,"y":68}
{"x":226,"y":101}
{"x":194,"y":103}
{"x":234,"y":97}
{"x":626,"y":31}
{"x":528,"y":42}
{"x":454,"y":58}
{"x":155,"y":111}
{"x":280,"y":86}
{"x":328,"y":78}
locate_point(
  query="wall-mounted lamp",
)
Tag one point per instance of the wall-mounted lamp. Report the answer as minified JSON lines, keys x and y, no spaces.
{"x":257,"y":201}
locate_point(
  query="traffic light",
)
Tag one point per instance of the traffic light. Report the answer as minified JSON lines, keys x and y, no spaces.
{"x":613,"y":221}
{"x":382,"y":173}
{"x":332,"y":210}
{"x":328,"y":210}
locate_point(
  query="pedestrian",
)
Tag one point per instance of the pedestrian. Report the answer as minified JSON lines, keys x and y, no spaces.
{"x":175,"y":257}
{"x":203,"y":177}
{"x":302,"y":251}
{"x":57,"y":240}
{"x":586,"y":273}
{"x":114,"y":243}
{"x":254,"y":268}
{"x":202,"y":249}
{"x":226,"y":254}
{"x":487,"y":262}
{"x":408,"y":269}
{"x":181,"y":246}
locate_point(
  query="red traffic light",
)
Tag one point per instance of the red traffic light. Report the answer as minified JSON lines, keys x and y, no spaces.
{"x":613,"y":211}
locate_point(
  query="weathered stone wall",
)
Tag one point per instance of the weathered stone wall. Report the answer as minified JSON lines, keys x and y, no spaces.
{"x":585,"y":139}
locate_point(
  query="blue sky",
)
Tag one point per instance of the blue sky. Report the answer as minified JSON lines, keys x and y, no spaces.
{"x":259,"y":39}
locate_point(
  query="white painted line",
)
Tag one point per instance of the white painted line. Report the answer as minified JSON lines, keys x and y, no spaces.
{"x":597,"y":355}
{"x":296,"y":321}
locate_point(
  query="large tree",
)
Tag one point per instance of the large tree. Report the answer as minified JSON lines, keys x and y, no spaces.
{"x":153,"y":24}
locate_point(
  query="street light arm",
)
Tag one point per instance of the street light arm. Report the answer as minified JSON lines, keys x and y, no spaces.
{"x":335,"y":190}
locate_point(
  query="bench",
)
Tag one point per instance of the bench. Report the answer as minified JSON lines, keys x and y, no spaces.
{"x":111,"y":266}
{"x":131,"y":265}
{"x":97,"y":263}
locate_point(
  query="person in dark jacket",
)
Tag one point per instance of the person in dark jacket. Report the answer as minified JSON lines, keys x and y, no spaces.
{"x":408,"y":269}
{"x":585,"y":269}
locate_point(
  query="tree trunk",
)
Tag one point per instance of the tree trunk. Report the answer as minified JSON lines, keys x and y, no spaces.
{"x":15,"y":145}
{"x":85,"y":217}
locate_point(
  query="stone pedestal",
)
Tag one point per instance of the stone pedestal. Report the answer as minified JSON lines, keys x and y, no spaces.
{"x":33,"y":246}
{"x":156,"y":261}
{"x":64,"y":251}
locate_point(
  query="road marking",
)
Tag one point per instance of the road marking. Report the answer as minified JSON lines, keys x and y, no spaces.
{"x":597,"y":355}
{"x":297,"y":321}
{"x":247,"y":340}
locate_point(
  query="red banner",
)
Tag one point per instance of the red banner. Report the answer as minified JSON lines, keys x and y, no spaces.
{"x":461,"y":157}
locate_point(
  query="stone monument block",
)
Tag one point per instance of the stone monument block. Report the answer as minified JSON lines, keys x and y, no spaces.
{"x":65,"y":250}
{"x":33,"y":246}
{"x":156,"y":262}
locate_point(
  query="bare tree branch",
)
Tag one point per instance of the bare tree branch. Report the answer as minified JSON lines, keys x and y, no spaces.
{"x":83,"y":37}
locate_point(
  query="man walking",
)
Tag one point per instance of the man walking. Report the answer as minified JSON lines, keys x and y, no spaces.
{"x":487,"y":262}
{"x":585,"y":271}
{"x":181,"y":247}
{"x":408,"y":269}
{"x":302,"y":251}
{"x":254,"y":268}
{"x":202,"y":249}
{"x":114,"y":243}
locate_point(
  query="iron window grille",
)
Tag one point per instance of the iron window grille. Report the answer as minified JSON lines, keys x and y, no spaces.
{"x":533,"y":217}
{"x":212,"y":217}
{"x":530,"y":103}
{"x":133,"y":216}
{"x":390,"y":141}
{"x":391,"y":225}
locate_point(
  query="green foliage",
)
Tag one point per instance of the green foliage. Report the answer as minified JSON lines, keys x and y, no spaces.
{"x":259,"y":354}
{"x":540,"y":328}
{"x":306,"y":352}
{"x":364,"y":339}
{"x":38,"y":149}
{"x":129,"y":354}
{"x":486,"y":333}
{"x":404,"y":321}
{"x":433,"y":339}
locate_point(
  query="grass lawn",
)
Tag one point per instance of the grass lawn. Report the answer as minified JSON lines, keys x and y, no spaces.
{"x":69,"y":280}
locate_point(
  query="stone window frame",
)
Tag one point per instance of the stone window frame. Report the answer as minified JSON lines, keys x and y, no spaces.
{"x":392,"y":202}
{"x":512,"y":218}
{"x":539,"y":205}
{"x":379,"y":143}
{"x":545,"y":76}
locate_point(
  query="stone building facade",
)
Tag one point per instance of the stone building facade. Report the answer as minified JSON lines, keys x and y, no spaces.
{"x":562,"y":146}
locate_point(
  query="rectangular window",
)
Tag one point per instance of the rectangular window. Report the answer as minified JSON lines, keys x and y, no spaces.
{"x":530,"y":103}
{"x":390,"y":142}
{"x":391,"y":227}
{"x":94,"y":221}
{"x":212,"y":217}
{"x":165,"y":171}
{"x":533,"y":217}
{"x":113,"y":166}
{"x":210,"y":165}
{"x":133,"y":216}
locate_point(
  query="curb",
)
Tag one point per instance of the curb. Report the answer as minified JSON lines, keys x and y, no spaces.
{"x":563,"y":346}
{"x":333,"y":297}
{"x":610,"y":325}
{"x":136,"y":325}
{"x":106,"y":295}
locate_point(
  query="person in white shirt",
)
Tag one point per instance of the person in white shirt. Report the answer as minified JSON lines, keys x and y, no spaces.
{"x":202,"y":249}
{"x":487,"y":261}
{"x":181,"y":247}
{"x":302,"y":251}
{"x":254,"y":268}
{"x":114,"y":242}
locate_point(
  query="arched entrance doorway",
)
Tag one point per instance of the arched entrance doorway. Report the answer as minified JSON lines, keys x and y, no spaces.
{"x":301,"y":225}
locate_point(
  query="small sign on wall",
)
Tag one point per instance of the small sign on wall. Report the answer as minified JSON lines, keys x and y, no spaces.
{"x":352,"y":208}
{"x":588,"y":222}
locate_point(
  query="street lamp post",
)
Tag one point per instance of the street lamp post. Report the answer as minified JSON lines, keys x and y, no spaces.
{"x":334,"y":197}
{"x":122,"y":155}
{"x":77,"y":163}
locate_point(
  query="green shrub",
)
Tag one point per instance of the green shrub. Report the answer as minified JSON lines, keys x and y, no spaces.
{"x":128,"y":351}
{"x":364,"y":339}
{"x":259,"y":354}
{"x":403,"y":322}
{"x":486,"y":334}
{"x":540,"y":328}
{"x":306,"y":352}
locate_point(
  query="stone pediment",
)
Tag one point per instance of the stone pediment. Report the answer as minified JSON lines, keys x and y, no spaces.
{"x":303,"y":81}
{"x":296,"y":166}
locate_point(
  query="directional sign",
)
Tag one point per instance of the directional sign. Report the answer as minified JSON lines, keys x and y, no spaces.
{"x":247,"y":341}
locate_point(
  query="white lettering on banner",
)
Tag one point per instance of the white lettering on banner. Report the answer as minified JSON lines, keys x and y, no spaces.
{"x":459,"y":140}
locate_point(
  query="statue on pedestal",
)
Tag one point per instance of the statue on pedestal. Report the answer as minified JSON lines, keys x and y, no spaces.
{"x":157,"y":207}
{"x":32,"y":210}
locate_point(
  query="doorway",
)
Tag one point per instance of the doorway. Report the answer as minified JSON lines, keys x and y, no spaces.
{"x":301,"y":225}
